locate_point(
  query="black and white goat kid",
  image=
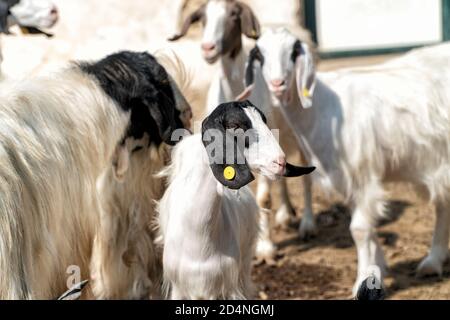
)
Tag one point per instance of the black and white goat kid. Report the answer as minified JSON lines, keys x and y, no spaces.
{"x":225,"y":24}
{"x":209,"y":230}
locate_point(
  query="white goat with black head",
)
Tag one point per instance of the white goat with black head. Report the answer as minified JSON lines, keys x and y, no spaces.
{"x":58,"y":138}
{"x":224,"y":23}
{"x":363,"y":126}
{"x":29,"y":15}
{"x":208,"y":228}
{"x":126,"y":263}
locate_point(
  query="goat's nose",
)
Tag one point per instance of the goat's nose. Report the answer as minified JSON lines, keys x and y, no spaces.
{"x":281,"y":161}
{"x":279,"y":165}
{"x":54,"y":10}
{"x":208,"y":46}
{"x":278,"y":82}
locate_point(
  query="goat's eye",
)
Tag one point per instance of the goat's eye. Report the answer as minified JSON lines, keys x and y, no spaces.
{"x":234,"y":14}
{"x":233,"y":126}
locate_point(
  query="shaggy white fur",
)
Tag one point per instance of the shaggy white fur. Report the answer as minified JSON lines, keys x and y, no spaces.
{"x":55,"y":143}
{"x":363,"y":126}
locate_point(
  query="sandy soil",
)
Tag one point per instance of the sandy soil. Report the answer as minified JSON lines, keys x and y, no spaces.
{"x":325,"y":267}
{"x":322,"y":268}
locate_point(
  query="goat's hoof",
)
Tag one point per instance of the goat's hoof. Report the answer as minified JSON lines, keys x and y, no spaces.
{"x":283,"y":216}
{"x":369,"y":283}
{"x":430,"y":266}
{"x":369,"y":289}
{"x":265,"y":251}
{"x":307,"y":229}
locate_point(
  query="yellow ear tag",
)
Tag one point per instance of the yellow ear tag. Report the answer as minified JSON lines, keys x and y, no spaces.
{"x":229,"y":173}
{"x":253,"y":33}
{"x":306,"y":93}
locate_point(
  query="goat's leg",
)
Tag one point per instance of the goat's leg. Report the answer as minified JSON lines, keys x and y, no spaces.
{"x":370,"y":254}
{"x":265,"y":249}
{"x":307,"y":227}
{"x":263,"y":193}
{"x":432,"y":264}
{"x":286,"y":211}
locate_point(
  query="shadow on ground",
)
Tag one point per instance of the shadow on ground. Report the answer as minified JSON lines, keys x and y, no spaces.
{"x":289,"y":280}
{"x":333,"y":228}
{"x":404,"y":274}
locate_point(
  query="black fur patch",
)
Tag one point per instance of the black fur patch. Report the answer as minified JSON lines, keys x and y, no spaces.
{"x":225,"y":117}
{"x":138,"y":83}
{"x":255,"y":55}
{"x":296,"y":51}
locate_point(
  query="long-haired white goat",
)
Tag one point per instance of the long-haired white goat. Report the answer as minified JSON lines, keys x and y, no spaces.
{"x":58,"y":137}
{"x":208,"y":229}
{"x":364,"y":126}
{"x":126,"y":262}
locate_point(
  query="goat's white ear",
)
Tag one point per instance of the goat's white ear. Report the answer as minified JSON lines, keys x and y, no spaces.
{"x":305,"y":75}
{"x":121,"y":162}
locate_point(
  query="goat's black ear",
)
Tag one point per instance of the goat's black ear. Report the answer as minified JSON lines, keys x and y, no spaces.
{"x":296,"y":50}
{"x":235,"y":174}
{"x":164,"y":117}
{"x":194,"y":17}
{"x":158,"y":96}
{"x":240,"y":176}
{"x":255,"y":55}
{"x":4,"y":13}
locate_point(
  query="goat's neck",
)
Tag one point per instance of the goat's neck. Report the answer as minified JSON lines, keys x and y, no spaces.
{"x":206,"y":194}
{"x":232,"y":73}
{"x":300,"y":117}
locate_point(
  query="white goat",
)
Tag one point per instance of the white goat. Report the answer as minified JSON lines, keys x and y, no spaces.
{"x":58,"y":136}
{"x":126,"y":263}
{"x":30,"y":15}
{"x":208,"y":230}
{"x":364,"y":126}
{"x":224,"y":23}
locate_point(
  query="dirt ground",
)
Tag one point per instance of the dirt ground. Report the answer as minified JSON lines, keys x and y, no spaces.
{"x":325,"y":267}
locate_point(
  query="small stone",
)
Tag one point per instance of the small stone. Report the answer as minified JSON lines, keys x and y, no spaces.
{"x":263,"y":295}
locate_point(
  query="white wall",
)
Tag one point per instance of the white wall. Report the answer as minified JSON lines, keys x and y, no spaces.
{"x":365,"y":24}
{"x":280,"y":12}
{"x":91,"y":29}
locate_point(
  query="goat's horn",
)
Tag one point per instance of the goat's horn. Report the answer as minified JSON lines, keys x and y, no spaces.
{"x":245,"y":94}
{"x":294,"y":171}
